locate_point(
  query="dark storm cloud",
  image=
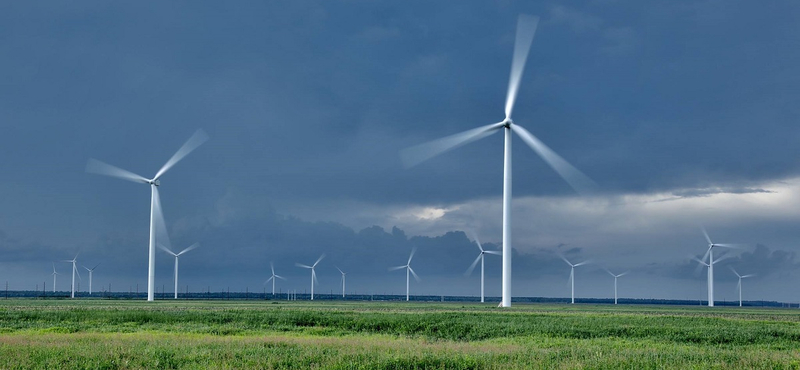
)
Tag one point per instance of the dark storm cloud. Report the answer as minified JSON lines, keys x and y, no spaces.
{"x":761,"y":261}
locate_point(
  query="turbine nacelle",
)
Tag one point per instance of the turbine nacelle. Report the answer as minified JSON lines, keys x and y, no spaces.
{"x":155,"y":182}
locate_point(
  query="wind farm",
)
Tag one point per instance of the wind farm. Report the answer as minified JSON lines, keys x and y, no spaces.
{"x":345,"y":138}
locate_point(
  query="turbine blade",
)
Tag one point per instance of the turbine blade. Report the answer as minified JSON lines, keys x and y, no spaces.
{"x":414,"y":273}
{"x":314,"y":276}
{"x":739,"y":285}
{"x":413,"y":250}
{"x":609,"y":272}
{"x":160,"y":224}
{"x":396,"y":268}
{"x":268,"y":280}
{"x":526,"y":29}
{"x":302,"y":265}
{"x":417,"y":154}
{"x":748,"y":275}
{"x":583,"y":263}
{"x":705,"y":233}
{"x":165,"y":249}
{"x":272,"y":267}
{"x":721,"y":259}
{"x":565,"y":260}
{"x":101,"y":168}
{"x":574,"y":177}
{"x":475,"y":236}
{"x":498,"y":253}
{"x":472,"y":266}
{"x":193,"y":246}
{"x":198,"y":138}
{"x":95,"y":266}
{"x":700,"y":262}
{"x":318,"y":259}
{"x":734,"y":271}
{"x":280,"y":277}
{"x":728,"y":245}
{"x":624,"y":273}
{"x":340,"y":270}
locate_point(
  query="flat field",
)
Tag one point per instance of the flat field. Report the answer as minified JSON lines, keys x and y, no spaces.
{"x":103,"y":334}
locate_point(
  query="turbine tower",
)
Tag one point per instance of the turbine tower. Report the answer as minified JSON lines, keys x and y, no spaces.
{"x":177,"y":255}
{"x":710,"y":264}
{"x":74,"y":271}
{"x":480,"y":258}
{"x":273,"y":278}
{"x":91,"y":270}
{"x":572,"y":274}
{"x":313,"y":273}
{"x":526,"y":28}
{"x":156,"y":214}
{"x":344,"y":274}
{"x":54,"y":277}
{"x":408,"y":268}
{"x":739,"y":285}
{"x":615,"y":282}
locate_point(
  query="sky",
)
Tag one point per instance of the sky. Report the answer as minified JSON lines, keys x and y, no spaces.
{"x":683,"y":112}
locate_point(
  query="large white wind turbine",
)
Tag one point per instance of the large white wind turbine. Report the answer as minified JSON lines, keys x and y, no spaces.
{"x":54,"y":277}
{"x":526,"y":28}
{"x":480,"y":258}
{"x":156,"y":214}
{"x":408,"y":268}
{"x":273,"y":277}
{"x":177,"y":255}
{"x":74,"y":271}
{"x":572,"y":274}
{"x":344,"y":274}
{"x":710,"y":264}
{"x":615,"y":282}
{"x":91,"y":270}
{"x":739,"y":285}
{"x":313,"y":273}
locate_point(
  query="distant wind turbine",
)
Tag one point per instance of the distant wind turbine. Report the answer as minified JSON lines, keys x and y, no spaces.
{"x":615,"y":282}
{"x":572,"y":274}
{"x":344,"y":274}
{"x":526,"y":29}
{"x":313,"y":273}
{"x":408,"y":268}
{"x":710,"y":264}
{"x":156,"y":213}
{"x":91,"y":270}
{"x":54,"y":277}
{"x":273,"y":277}
{"x":480,"y":258}
{"x":739,"y":285}
{"x":177,"y":255}
{"x":74,"y":271}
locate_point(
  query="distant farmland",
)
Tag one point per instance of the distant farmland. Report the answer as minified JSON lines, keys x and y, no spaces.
{"x":119,"y":334}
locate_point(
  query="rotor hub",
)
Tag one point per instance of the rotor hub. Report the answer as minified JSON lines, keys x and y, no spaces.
{"x":155,"y":182}
{"x":507,"y":123}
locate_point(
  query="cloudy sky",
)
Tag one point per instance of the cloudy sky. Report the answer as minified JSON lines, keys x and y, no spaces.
{"x":684,"y":113}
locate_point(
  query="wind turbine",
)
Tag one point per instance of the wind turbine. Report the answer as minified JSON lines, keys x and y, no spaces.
{"x":408,"y":268}
{"x":74,"y":271}
{"x":739,"y":285}
{"x":526,"y":28}
{"x":273,"y":278}
{"x":480,"y":258}
{"x":177,"y":255}
{"x":343,"y":280}
{"x":572,"y":274}
{"x":711,"y":262}
{"x":91,"y":270}
{"x":313,"y":274}
{"x":156,"y":214}
{"x":615,"y":282}
{"x":54,"y":277}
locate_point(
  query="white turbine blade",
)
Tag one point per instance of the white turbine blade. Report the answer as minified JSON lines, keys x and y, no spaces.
{"x":280,"y":277}
{"x":302,"y":265}
{"x":396,"y":268}
{"x":708,"y":253}
{"x":582,"y":263}
{"x":268,"y":280}
{"x":734,"y":271}
{"x":318,"y":259}
{"x":314,"y":276}
{"x":102,"y":168}
{"x":748,"y":275}
{"x":475,"y":236}
{"x":721,"y":259}
{"x":165,"y":249}
{"x":414,"y":273}
{"x":699,"y":261}
{"x":705,"y":233}
{"x":526,"y":29}
{"x":87,"y":269}
{"x":609,"y":272}
{"x":624,"y":273}
{"x":728,"y":245}
{"x":198,"y":138}
{"x":340,"y":270}
{"x":161,"y":225}
{"x":574,"y":177}
{"x":272,"y":267}
{"x":414,"y":250}
{"x":78,"y":273}
{"x":417,"y":154}
{"x":498,"y":253}
{"x":739,"y":285}
{"x":472,"y":266}
{"x":565,"y":260}
{"x":193,"y":246}
{"x":95,"y":266}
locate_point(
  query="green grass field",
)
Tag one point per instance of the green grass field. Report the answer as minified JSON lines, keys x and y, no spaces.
{"x":101,"y":334}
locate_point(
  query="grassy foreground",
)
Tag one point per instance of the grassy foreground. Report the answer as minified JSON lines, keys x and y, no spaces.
{"x":95,"y":334}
